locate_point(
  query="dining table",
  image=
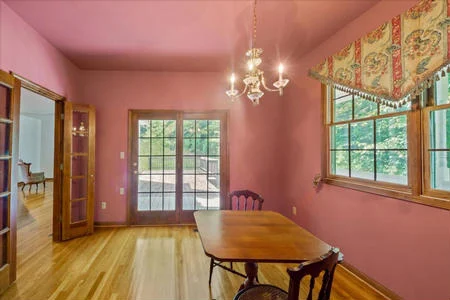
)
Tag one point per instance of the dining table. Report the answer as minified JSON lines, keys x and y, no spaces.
{"x":255,"y":237}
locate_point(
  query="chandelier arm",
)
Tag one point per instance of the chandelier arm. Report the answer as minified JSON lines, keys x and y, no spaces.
{"x":243,"y":92}
{"x":263,"y":81}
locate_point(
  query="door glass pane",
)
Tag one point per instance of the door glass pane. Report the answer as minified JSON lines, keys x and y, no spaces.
{"x":79,"y":165}
{"x":188,"y":201}
{"x":5,"y":105}
{"x":143,"y":201}
{"x":5,"y":131}
{"x":214,"y":200}
{"x":169,"y":201}
{"x":157,"y":165}
{"x":78,"y":188}
{"x":201,"y":164}
{"x":144,"y":183}
{"x":78,"y":211}
{"x":4,"y":175}
{"x":80,"y":123}
{"x":170,"y":164}
{"x":4,"y":212}
{"x":156,"y":200}
{"x":3,"y":249}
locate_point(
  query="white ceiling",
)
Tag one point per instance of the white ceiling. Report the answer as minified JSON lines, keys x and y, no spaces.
{"x":32,"y":103}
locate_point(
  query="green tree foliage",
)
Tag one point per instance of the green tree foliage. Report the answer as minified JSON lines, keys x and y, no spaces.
{"x":387,"y":135}
{"x":158,"y":138}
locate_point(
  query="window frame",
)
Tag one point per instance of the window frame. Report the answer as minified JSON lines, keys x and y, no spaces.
{"x":418,"y":188}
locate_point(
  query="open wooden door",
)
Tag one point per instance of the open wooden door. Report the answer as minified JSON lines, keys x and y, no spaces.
{"x":78,"y":170}
{"x":9,"y":129}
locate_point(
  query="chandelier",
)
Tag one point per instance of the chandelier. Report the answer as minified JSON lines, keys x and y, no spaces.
{"x":254,"y":78}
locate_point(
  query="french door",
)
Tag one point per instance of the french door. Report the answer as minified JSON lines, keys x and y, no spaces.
{"x":78,"y":170}
{"x":178,"y":164}
{"x":9,"y":119}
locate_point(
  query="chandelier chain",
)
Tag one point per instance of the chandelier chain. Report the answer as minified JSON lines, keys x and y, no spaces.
{"x":254,"y":25}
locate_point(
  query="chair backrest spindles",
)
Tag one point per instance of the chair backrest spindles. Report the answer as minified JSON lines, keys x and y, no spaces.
{"x":326,"y":263}
{"x":235,"y":197}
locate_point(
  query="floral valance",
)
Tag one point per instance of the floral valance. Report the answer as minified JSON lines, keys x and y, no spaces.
{"x":396,"y":61}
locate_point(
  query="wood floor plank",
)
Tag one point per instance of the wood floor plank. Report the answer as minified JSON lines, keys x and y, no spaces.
{"x":132,"y":263}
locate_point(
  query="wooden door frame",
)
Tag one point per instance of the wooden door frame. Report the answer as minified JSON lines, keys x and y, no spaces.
{"x":58,"y":149}
{"x":223,"y":115}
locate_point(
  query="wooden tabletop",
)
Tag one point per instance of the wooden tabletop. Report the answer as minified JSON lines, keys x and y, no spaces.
{"x":259,"y":236}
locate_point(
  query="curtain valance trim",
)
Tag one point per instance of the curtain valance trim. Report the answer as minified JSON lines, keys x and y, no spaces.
{"x":398,"y":60}
{"x":391,"y":102}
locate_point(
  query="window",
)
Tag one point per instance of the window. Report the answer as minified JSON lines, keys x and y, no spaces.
{"x":397,"y":152}
{"x":367,"y":141}
{"x":437,"y":141}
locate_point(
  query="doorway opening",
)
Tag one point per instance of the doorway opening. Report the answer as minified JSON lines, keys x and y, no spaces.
{"x":179,"y":164}
{"x":36,"y":162}
{"x":40,"y":140}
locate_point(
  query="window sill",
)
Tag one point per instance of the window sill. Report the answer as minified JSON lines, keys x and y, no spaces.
{"x":388,"y":190}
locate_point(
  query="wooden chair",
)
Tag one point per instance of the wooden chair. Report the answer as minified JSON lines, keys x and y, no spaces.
{"x":29,"y":177}
{"x":326,"y":263}
{"x":252,"y":201}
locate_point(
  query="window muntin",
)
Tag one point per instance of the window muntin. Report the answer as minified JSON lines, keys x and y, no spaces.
{"x":365,"y":143}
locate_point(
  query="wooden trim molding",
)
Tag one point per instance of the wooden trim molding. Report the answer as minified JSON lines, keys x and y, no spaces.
{"x":39,"y":89}
{"x":387,"y":293}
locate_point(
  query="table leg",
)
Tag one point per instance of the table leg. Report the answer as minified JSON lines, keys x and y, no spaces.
{"x":251,"y":269}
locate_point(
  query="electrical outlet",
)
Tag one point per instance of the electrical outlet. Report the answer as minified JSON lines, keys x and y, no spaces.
{"x":103,"y":205}
{"x":122,"y":155}
{"x":122,"y":191}
{"x":294,"y":210}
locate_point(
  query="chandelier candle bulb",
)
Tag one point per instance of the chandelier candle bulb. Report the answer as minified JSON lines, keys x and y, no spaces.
{"x":280,"y":72}
{"x":232,"y":79}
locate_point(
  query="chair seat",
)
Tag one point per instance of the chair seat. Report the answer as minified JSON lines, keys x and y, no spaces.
{"x":262,"y":292}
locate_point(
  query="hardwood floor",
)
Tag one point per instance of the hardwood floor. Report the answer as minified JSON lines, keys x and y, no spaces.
{"x":133,"y":263}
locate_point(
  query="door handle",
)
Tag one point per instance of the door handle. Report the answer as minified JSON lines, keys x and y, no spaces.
{"x":135,"y":172}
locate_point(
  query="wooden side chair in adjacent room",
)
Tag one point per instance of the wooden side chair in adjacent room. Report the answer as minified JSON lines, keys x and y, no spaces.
{"x":326,"y":263}
{"x":239,"y":200}
{"x":29,"y":178}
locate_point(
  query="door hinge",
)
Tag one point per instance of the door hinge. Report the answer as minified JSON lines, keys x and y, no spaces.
{"x":62,"y":116}
{"x":61,"y":167}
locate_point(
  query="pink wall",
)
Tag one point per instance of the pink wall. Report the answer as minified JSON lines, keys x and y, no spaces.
{"x":253,"y":131}
{"x":404,"y":246}
{"x":27,"y":53}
